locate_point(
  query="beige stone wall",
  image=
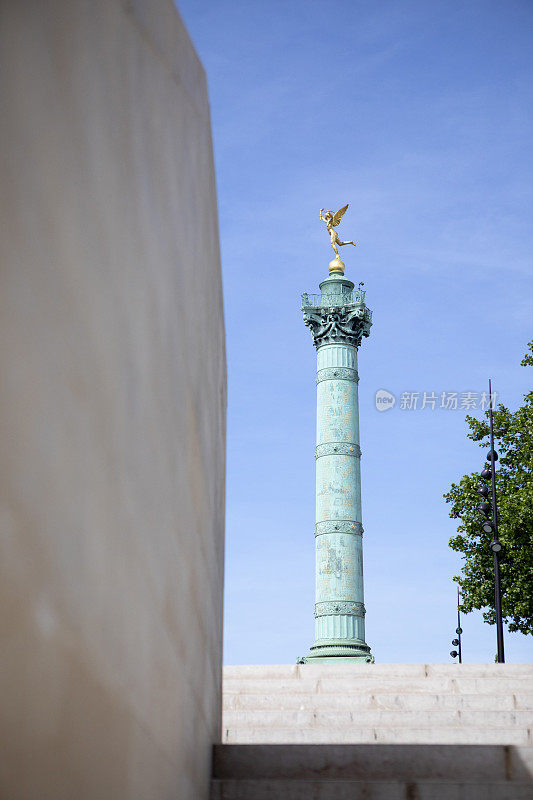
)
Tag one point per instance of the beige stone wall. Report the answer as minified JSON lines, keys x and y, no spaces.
{"x":112,"y":405}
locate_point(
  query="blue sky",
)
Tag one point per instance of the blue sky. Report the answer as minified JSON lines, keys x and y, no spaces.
{"x":420,"y":115}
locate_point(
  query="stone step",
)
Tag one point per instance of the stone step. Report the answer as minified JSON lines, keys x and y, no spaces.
{"x":378,"y":718}
{"x":374,"y":762}
{"x":372,"y":772}
{"x":371,"y":735}
{"x":362,"y":671}
{"x":365,"y":790}
{"x":356,"y":685}
{"x":415,"y":701}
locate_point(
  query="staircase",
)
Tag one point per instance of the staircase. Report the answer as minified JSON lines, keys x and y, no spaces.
{"x":378,"y":703}
{"x":376,"y":732}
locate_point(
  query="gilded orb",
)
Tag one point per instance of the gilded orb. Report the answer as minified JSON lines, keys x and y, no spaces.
{"x":336,"y":266}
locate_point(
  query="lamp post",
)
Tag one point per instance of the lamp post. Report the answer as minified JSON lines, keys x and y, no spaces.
{"x":458,"y":630}
{"x":491,"y":526}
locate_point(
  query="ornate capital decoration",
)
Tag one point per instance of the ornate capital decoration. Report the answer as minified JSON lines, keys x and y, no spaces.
{"x":339,"y":526}
{"x":338,"y":449}
{"x":330,"y":607}
{"x":338,"y":325}
{"x":337,"y":374}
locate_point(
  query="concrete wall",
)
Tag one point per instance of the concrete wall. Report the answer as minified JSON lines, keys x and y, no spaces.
{"x":112,"y":405}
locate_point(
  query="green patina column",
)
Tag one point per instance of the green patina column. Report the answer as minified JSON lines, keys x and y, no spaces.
{"x":338,"y":319}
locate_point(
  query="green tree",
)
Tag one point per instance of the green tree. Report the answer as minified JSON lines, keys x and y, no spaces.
{"x":513,"y":434}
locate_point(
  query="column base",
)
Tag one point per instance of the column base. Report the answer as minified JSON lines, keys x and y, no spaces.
{"x":334,"y":651}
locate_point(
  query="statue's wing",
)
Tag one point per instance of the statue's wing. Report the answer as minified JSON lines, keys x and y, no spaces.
{"x":338,"y":216}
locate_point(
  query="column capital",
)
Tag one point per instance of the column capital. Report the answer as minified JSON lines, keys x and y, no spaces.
{"x":338,"y":324}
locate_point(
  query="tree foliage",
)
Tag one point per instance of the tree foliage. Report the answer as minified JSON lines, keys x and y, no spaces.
{"x":513,"y":435}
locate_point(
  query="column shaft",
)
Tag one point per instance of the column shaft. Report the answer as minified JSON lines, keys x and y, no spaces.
{"x":339,"y":609}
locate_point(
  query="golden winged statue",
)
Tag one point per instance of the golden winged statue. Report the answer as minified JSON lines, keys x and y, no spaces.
{"x":332,"y":220}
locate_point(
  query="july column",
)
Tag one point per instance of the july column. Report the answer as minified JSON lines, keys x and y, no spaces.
{"x":338,"y":324}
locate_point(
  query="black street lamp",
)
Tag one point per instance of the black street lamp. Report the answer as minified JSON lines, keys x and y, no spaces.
{"x":491,"y":526}
{"x":458,"y":630}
